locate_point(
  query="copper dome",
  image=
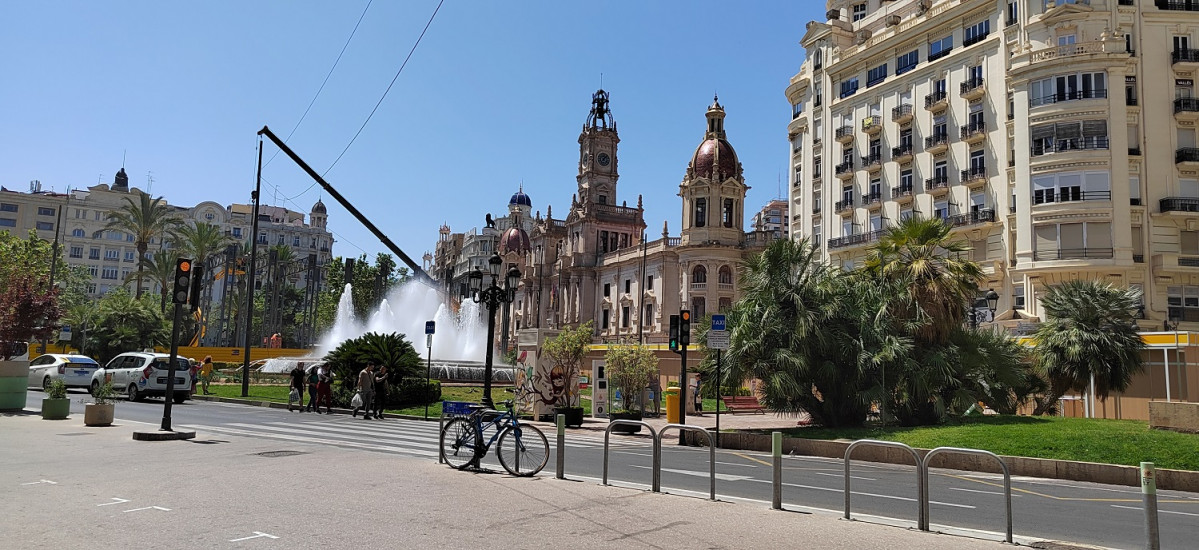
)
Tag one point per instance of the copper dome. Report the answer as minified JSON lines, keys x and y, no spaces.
{"x":515,"y":240}
{"x":711,"y":152}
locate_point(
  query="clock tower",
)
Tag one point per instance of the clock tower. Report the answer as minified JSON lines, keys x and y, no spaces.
{"x":597,"y":155}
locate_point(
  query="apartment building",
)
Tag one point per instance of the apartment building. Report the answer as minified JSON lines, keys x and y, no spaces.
{"x":1058,"y":137}
{"x":773,"y":219}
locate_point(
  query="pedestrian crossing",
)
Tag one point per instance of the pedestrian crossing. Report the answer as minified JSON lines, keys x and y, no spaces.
{"x":396,"y":436}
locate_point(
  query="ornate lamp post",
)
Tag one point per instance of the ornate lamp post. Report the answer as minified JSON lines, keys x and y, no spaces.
{"x":992,"y":301}
{"x":493,"y":296}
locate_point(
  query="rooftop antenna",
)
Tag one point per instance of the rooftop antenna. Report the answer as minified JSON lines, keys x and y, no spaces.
{"x":780,"y":184}
{"x":149,"y":181}
{"x":123,"y":152}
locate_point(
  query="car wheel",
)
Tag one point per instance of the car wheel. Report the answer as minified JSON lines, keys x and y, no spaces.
{"x":94,"y":388}
{"x":179,"y":399}
{"x":46,"y":384}
{"x":131,"y":394}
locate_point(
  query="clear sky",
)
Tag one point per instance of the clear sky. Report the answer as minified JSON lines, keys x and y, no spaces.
{"x":495,"y":95}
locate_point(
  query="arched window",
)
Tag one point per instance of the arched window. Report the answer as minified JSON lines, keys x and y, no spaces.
{"x":77,"y":232}
{"x":699,"y":274}
{"x":701,"y":213}
{"x":698,"y":308}
{"x":726,"y":275}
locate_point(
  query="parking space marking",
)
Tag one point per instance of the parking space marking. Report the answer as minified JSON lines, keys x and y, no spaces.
{"x":983,"y":492}
{"x":843,"y":476}
{"x":1159,"y":511}
{"x":41,"y":481}
{"x":257,"y":534}
{"x":148,"y":508}
{"x":118,"y":501}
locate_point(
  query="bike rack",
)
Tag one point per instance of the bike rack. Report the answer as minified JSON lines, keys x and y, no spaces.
{"x":1007,"y":482}
{"x":653,"y":434}
{"x":711,"y":459}
{"x":921,"y":472}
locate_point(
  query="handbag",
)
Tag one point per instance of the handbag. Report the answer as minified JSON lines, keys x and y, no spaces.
{"x":356,"y":402}
{"x":293,"y":396}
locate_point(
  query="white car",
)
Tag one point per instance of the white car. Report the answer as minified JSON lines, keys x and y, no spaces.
{"x":74,"y":370}
{"x":140,"y":374}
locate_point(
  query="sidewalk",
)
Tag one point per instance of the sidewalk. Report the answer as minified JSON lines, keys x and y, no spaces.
{"x":66,"y":485}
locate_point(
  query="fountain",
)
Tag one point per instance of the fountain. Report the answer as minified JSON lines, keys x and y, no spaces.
{"x":458,"y":345}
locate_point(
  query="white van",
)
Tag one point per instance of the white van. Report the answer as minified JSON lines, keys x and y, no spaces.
{"x":139,"y":374}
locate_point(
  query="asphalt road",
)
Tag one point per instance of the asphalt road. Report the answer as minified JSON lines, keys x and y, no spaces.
{"x":1043,"y":509}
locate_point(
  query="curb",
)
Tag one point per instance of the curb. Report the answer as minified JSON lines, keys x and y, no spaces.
{"x":161,"y":435}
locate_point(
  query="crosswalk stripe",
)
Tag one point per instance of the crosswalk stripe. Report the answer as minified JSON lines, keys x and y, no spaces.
{"x":305,"y":439}
{"x":335,"y":434}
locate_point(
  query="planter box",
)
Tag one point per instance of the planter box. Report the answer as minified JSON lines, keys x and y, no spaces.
{"x":574,"y":415}
{"x":14,"y":377}
{"x":626,"y":428}
{"x":56,"y":409}
{"x":98,"y":415}
{"x":1182,"y":417}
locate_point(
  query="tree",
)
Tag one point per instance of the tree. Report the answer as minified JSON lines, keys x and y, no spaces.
{"x":563,"y":357}
{"x":389,"y":350}
{"x":160,"y":267}
{"x":630,"y":368}
{"x":125,"y":324}
{"x":200,"y":242}
{"x":1088,"y":334}
{"x":82,"y":316}
{"x":29,"y":308}
{"x":146,"y":220}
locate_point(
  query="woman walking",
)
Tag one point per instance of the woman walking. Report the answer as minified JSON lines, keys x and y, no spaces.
{"x":313,"y":380}
{"x":380,"y":391}
{"x":206,"y":373}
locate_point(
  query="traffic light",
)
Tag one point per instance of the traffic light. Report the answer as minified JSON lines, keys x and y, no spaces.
{"x":349,"y":275}
{"x":194,"y":298}
{"x":684,"y":327}
{"x":674,"y":333}
{"x":183,"y":272}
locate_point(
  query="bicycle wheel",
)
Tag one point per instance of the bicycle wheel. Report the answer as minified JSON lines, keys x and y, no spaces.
{"x":522,"y":450}
{"x":458,"y":443}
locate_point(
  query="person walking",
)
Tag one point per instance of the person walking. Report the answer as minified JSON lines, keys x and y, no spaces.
{"x":324,"y":389}
{"x":313,"y":380}
{"x":297,"y":387}
{"x":366,"y":389}
{"x":206,"y":373}
{"x":380,"y":391}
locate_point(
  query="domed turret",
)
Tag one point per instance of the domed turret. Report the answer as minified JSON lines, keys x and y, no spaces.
{"x":514,"y":240}
{"x":520,"y":199}
{"x":715,"y":158}
{"x":319,"y":208}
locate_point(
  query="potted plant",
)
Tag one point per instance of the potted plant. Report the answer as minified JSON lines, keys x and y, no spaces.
{"x":563,"y":357}
{"x":28,"y":312}
{"x":56,"y":406}
{"x":631,"y":369}
{"x":100,"y":411}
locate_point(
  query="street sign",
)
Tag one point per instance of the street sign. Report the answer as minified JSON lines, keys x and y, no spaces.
{"x":718,"y":339}
{"x":718,"y":322}
{"x":430,"y":327}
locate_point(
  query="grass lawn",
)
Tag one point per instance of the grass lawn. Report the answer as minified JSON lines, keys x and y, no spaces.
{"x":1125,"y":442}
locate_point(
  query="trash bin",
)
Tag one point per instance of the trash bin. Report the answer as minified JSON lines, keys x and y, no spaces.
{"x":672,"y":404}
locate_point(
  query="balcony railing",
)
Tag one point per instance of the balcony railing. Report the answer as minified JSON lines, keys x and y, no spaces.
{"x":1138,"y":258}
{"x":971,"y":85}
{"x":871,"y":123}
{"x":843,"y":132}
{"x":972,"y":174}
{"x":935,"y":140}
{"x":1178,"y":5}
{"x":1134,"y":151}
{"x":816,"y":209}
{"x":985,"y":215}
{"x":1074,"y":144}
{"x":874,"y":160}
{"x":1068,"y":96}
{"x":1184,"y":56}
{"x":1068,"y":50}
{"x":842,"y":206}
{"x":1179,"y":204}
{"x":974,"y":39}
{"x":933,"y":98}
{"x":844,"y":167}
{"x":873,"y":197}
{"x":901,"y":191}
{"x":898,"y":113}
{"x":1130,"y":100}
{"x":936,"y":182}
{"x":901,"y":151}
{"x":1072,"y":254}
{"x":851,"y":240}
{"x":939,"y":55}
{"x":973,"y":129}
{"x":1070,"y":194}
{"x":1186,"y":154}
{"x":1187,"y":104}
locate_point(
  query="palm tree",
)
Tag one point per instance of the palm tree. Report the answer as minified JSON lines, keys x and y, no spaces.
{"x":81,"y":316}
{"x":160,"y":267}
{"x":145,"y":219}
{"x":920,"y":254}
{"x":200,"y":241}
{"x":1088,"y":336}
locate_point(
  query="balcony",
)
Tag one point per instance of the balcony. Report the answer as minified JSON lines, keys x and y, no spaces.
{"x":975,"y":132}
{"x":1067,"y":145}
{"x":816,"y":176}
{"x":872,"y":162}
{"x":1069,"y":194}
{"x":816,"y":210}
{"x":872,"y":125}
{"x":1185,"y":59}
{"x":1177,"y":5}
{"x":1073,"y":254}
{"x":873,"y":198}
{"x":936,"y":101}
{"x":902,"y":114}
{"x":985,"y":215}
{"x":902,"y":193}
{"x":844,"y":170}
{"x":1179,"y":204}
{"x":937,"y":143}
{"x":1187,"y":157}
{"x":967,"y":42}
{"x":974,"y":177}
{"x":1068,"y":50}
{"x":1186,"y":108}
{"x":841,"y":207}
{"x":854,"y":240}
{"x":1138,"y":258}
{"x":902,"y":153}
{"x":973,"y":88}
{"x":844,"y":134}
{"x":937,"y":185}
{"x":1134,"y":151}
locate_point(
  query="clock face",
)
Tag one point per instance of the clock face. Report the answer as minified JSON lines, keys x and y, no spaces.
{"x":603,"y":159}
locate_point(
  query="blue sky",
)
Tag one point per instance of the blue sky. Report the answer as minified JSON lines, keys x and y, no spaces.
{"x":495,"y":94}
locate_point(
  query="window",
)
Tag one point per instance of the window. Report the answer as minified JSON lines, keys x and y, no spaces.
{"x":1182,"y":43}
{"x":940,"y":130}
{"x":1067,"y":136}
{"x":93,"y":270}
{"x":849,"y":87}
{"x":648,"y":320}
{"x":725,"y":304}
{"x":975,"y":118}
{"x":109,"y":273}
{"x":1188,"y":242}
{"x":941,"y":210}
{"x":607,"y":289}
{"x":129,"y":237}
{"x":628,"y":286}
{"x":8,"y":222}
{"x":876,"y":190}
{"x":604,"y":324}
{"x":603,"y":199}
{"x":726,"y":214}
{"x":1018,"y":296}
{"x":649,"y":283}
{"x":847,"y":194}
{"x":237,"y":232}
{"x":112,"y":254}
{"x":725,"y":275}
{"x":130,"y":255}
{"x":876,"y":75}
{"x":93,"y":253}
{"x":295,"y":241}
{"x":1071,"y":186}
{"x":77,"y":233}
{"x":699,"y":274}
{"x":905,"y":139}
{"x":1134,"y":190}
{"x":698,"y":307}
{"x":905,"y":181}
{"x":1073,"y":240}
{"x":978,"y":163}
{"x":6,"y":207}
{"x":701,"y":213}
{"x":941,"y":170}
{"x":976,"y":33}
{"x":940,"y":48}
{"x":1068,"y":87}
{"x":282,"y":240}
{"x":859,"y":11}
{"x":44,"y":211}
{"x":1066,"y":40}
{"x":76,"y":251}
{"x":907,"y":62}
{"x":906,"y":213}
{"x":1013,"y":12}
{"x":624,"y":317}
{"x":45,"y":226}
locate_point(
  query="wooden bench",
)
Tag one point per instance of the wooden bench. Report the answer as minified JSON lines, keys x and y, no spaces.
{"x":735,"y":403}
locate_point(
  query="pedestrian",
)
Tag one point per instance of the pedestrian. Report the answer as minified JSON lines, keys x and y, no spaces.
{"x":366,"y":389}
{"x":206,"y":373}
{"x":313,"y":380}
{"x":699,"y":402}
{"x":324,"y":389}
{"x":380,"y":391}
{"x":297,"y":387}
{"x":193,"y":372}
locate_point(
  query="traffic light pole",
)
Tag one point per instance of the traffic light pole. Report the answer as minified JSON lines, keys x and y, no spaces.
{"x":683,"y":390}
{"x":170,"y":395}
{"x":250,"y":275}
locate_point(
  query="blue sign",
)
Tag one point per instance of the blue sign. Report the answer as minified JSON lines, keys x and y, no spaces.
{"x":429,"y":327}
{"x":454,"y":408}
{"x":718,"y":322}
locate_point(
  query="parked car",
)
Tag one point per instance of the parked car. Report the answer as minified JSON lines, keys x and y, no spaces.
{"x":74,"y":370}
{"x":140,"y":374}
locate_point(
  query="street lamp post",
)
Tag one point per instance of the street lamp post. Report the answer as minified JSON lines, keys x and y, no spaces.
{"x":493,"y":296}
{"x":992,"y":301}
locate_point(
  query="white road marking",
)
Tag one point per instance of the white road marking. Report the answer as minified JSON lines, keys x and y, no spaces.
{"x":737,"y":464}
{"x":257,"y":534}
{"x":41,"y":481}
{"x":148,"y":508}
{"x":118,"y":501}
{"x":865,"y":494}
{"x":722,"y":477}
{"x":1159,"y":511}
{"x":1000,"y":493}
{"x":843,"y":477}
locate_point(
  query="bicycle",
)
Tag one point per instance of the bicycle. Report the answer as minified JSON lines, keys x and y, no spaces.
{"x":465,"y":441}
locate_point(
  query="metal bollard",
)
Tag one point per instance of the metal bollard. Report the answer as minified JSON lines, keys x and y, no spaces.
{"x":776,"y":449}
{"x":1149,"y":497}
{"x":561,"y":420}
